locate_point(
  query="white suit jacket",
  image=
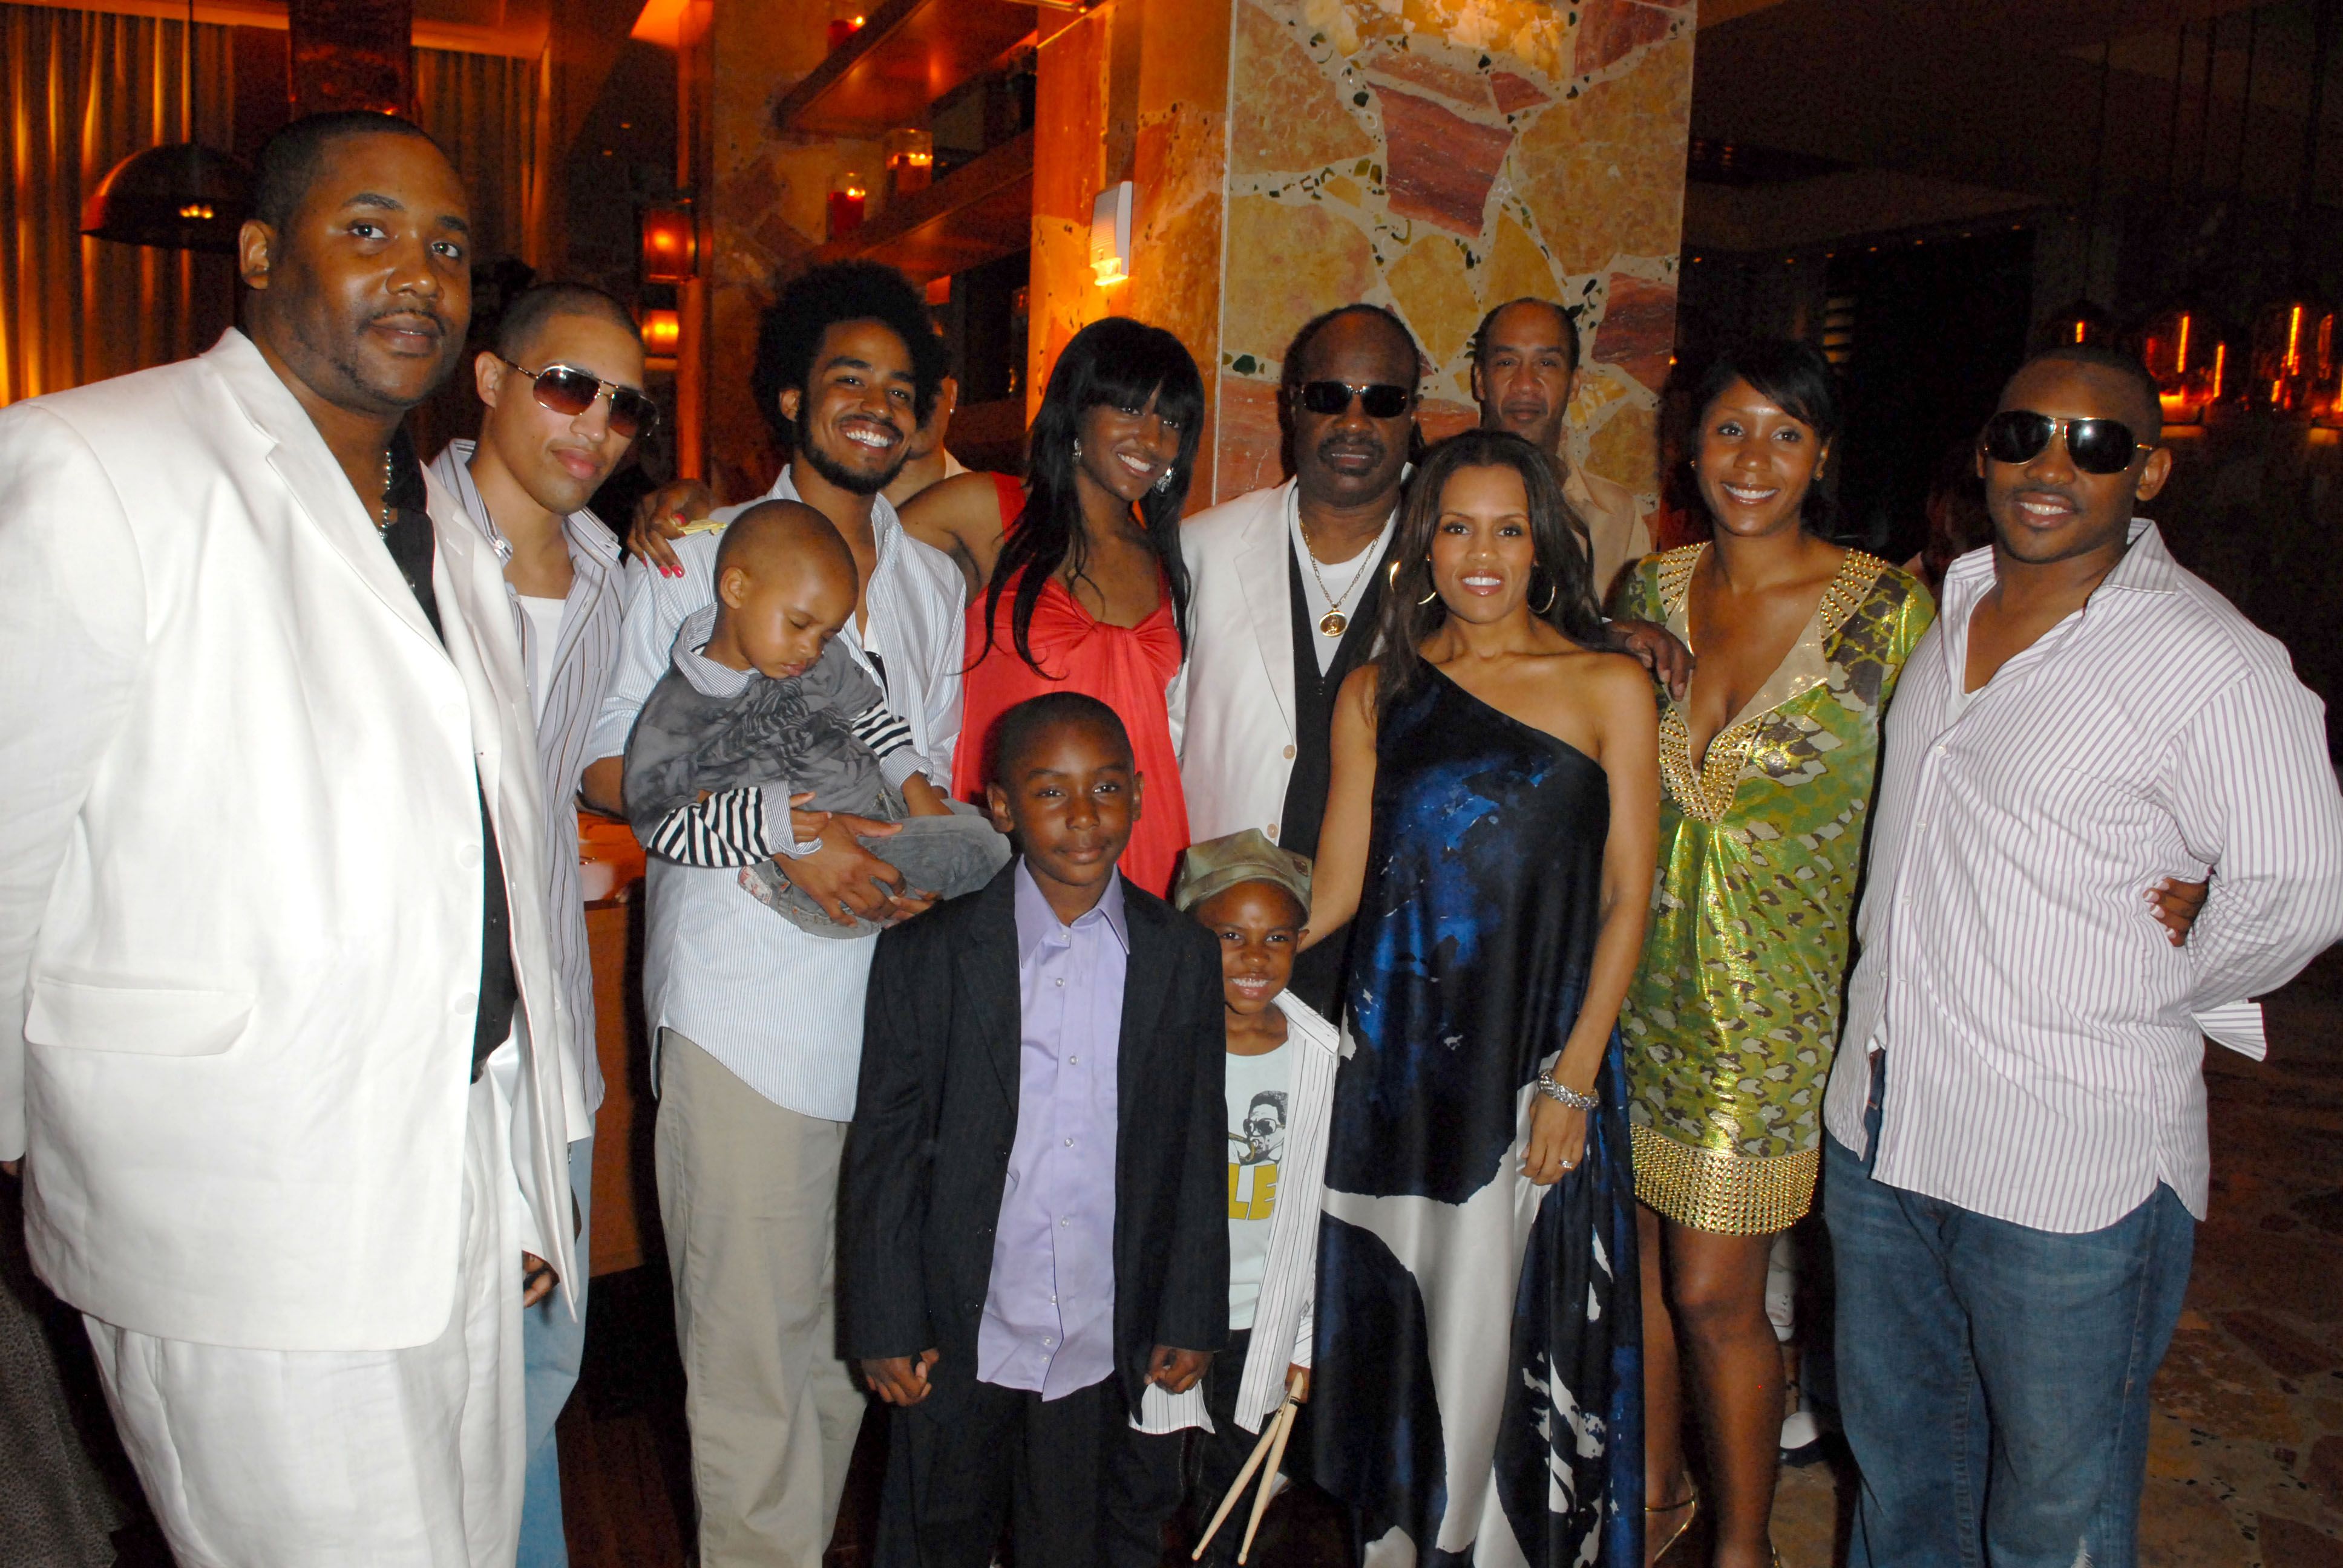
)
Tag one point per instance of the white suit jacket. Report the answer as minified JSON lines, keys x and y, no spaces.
{"x":240,"y":880}
{"x":1237,"y":735}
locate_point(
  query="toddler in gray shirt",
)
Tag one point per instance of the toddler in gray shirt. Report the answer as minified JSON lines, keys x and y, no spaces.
{"x":761,"y":704}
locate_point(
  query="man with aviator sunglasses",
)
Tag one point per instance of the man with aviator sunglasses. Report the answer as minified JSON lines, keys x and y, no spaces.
{"x":2017,"y":1159}
{"x":549,"y":436}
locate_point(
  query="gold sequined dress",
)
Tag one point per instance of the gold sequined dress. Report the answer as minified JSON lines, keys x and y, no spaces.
{"x":1734,"y":1015}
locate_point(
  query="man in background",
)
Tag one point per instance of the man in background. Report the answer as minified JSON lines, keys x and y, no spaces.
{"x":1525,"y":373}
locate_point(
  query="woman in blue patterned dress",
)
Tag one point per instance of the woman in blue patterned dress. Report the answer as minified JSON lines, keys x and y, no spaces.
{"x":1490,"y":826}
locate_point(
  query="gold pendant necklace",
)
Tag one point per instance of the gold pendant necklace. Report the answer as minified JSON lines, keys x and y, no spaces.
{"x":1333,"y":623}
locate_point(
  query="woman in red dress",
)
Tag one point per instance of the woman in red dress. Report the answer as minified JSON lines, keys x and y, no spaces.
{"x":1085,"y":589}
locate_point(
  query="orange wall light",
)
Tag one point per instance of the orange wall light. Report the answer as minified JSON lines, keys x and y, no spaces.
{"x":670,"y":246}
{"x":662,"y":332}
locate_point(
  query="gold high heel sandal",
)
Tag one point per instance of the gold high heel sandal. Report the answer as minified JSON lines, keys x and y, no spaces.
{"x":1689,"y":1502}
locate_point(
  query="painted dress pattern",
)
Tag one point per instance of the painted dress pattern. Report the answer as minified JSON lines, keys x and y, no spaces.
{"x":1478,"y":1391}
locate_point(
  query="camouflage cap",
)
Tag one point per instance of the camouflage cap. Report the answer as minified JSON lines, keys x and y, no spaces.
{"x":1219,"y":864}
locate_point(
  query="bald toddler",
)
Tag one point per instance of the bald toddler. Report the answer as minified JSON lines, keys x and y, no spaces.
{"x":760,"y":703}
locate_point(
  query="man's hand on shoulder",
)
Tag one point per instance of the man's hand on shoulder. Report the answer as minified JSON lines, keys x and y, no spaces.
{"x":901,"y":1379}
{"x":1659,"y":650}
{"x":660,"y":520}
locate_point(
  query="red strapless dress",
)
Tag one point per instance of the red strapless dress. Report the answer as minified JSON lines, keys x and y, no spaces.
{"x":1126,"y":668}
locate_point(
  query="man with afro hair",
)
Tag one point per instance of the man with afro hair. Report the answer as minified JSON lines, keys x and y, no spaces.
{"x":757,"y":1024}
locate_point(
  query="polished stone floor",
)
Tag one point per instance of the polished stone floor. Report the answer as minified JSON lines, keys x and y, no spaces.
{"x":2246,"y":1471}
{"x":2246,"y":1462}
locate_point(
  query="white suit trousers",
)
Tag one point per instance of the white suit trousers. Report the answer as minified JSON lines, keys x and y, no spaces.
{"x":334,"y":1459}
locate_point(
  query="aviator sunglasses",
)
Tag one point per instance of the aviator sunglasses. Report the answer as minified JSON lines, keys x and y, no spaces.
{"x":568,"y":390}
{"x":1381,"y":400}
{"x":2096,"y":446}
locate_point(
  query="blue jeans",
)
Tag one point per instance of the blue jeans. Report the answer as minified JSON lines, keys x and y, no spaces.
{"x":553,"y":1345}
{"x":1993,"y":1378}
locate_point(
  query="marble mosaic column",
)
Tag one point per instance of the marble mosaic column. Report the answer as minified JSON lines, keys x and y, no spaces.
{"x":1437,"y":156}
{"x":1442,"y":156}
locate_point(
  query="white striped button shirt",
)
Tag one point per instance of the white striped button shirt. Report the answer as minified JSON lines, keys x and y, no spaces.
{"x":2042,"y":1035}
{"x":780,"y":1008}
{"x":579,"y":672}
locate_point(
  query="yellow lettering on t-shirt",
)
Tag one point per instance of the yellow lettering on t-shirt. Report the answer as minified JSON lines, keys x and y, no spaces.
{"x":1253,"y":1191}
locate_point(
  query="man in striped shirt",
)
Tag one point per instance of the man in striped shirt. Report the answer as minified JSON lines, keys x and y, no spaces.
{"x":525,"y":485}
{"x":2017,"y":1150}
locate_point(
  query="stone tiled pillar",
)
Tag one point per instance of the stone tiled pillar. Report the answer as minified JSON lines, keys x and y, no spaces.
{"x":1438,"y":156}
{"x":1442,"y":156}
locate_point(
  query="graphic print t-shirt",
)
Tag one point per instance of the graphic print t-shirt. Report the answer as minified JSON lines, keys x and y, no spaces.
{"x":1260,"y":1088}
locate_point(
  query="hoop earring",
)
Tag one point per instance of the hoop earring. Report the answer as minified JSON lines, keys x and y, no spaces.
{"x":1553,"y":592}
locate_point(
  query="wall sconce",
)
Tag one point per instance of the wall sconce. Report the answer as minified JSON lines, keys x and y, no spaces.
{"x":662,"y":333}
{"x":671,"y":245}
{"x":1111,"y":236}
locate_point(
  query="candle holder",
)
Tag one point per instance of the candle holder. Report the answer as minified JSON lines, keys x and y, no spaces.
{"x":847,"y":193}
{"x":910,"y":161}
{"x":846,"y":19}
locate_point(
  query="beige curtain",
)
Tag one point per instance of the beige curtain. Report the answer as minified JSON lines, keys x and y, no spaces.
{"x":487,"y":111}
{"x":79,"y":92}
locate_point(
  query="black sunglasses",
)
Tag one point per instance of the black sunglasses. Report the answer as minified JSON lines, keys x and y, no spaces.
{"x":1381,"y":400}
{"x":2095,"y":446}
{"x":566,"y":389}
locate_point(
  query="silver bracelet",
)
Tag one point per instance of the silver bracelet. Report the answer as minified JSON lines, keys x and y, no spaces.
{"x":1561,"y":1096}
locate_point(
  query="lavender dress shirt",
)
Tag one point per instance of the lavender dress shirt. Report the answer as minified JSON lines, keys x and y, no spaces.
{"x":1049,"y":1314}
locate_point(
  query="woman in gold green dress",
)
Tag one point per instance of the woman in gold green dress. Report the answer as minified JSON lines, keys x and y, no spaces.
{"x":1733,"y":1017}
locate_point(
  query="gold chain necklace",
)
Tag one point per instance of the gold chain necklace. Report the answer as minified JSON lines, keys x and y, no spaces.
{"x":382,"y":515}
{"x":1333,"y":623}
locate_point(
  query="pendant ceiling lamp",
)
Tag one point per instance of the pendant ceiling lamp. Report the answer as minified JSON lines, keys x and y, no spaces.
{"x":181,"y":196}
{"x":2186,"y":350}
{"x":2294,"y":348}
{"x":2081,"y":320}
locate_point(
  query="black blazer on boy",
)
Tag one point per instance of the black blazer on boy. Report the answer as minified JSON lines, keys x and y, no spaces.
{"x":927,"y":1158}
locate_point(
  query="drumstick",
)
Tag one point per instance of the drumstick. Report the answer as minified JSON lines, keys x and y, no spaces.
{"x":1284,"y":1428}
{"x":1236,"y":1489}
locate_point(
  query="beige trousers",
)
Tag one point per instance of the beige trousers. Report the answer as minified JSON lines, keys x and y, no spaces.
{"x":748,"y":1195}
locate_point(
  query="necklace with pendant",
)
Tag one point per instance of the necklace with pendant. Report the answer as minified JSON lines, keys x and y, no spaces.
{"x":1333,"y":623}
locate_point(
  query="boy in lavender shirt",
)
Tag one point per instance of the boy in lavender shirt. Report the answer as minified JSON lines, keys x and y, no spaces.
{"x":1033,"y":1212}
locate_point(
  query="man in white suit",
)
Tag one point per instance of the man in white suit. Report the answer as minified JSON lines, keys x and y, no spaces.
{"x":278,"y":1023}
{"x":1286,"y":584}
